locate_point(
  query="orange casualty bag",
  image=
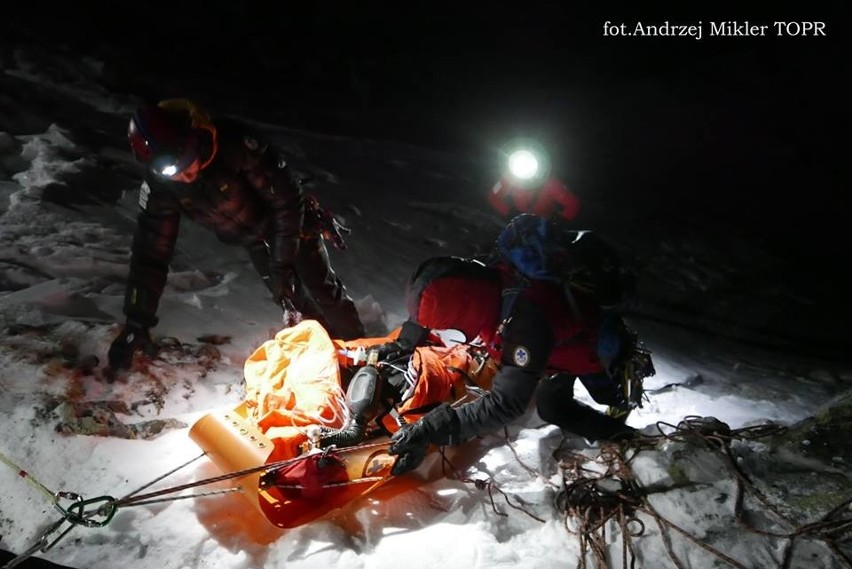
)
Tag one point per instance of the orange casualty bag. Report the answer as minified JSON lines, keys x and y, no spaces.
{"x":293,"y":384}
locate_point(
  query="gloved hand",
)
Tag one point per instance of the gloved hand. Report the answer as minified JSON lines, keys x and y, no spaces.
{"x":283,"y":285}
{"x":135,"y":337}
{"x":439,"y":426}
{"x":393,"y":350}
{"x":289,"y":315}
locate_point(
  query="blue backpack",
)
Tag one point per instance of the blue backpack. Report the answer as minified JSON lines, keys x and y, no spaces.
{"x":540,"y":248}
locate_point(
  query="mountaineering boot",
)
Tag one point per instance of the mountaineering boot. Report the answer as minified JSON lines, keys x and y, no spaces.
{"x":594,"y":426}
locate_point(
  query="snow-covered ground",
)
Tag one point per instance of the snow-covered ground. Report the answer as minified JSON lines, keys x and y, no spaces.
{"x":67,"y":199}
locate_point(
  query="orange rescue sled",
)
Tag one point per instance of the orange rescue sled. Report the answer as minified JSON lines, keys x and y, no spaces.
{"x":294,"y":387}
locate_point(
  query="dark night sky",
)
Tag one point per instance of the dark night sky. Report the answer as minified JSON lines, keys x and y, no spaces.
{"x":742,"y":130}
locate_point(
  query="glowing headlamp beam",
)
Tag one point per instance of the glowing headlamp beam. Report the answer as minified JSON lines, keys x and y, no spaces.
{"x":523,"y":164}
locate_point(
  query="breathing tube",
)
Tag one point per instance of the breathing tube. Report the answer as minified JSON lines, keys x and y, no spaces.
{"x":362,"y":396}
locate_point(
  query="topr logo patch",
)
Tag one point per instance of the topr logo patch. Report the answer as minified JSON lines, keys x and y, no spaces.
{"x":521,"y":356}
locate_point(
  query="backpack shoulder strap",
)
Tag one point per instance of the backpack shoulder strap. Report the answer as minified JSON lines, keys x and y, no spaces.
{"x":509,"y":298}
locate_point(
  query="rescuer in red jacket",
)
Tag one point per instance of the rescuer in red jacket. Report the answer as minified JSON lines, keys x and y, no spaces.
{"x":542,"y":346}
{"x":524,"y":189}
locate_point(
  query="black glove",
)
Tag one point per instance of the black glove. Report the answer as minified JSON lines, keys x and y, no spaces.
{"x":439,"y":426}
{"x":134,"y":338}
{"x":393,"y":350}
{"x":410,"y":336}
{"x":283,"y":285}
{"x":289,"y":315}
{"x":333,"y":230}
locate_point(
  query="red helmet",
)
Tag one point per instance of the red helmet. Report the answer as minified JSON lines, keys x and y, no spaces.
{"x":175,"y":139}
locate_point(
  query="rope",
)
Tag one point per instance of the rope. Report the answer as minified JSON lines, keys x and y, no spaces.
{"x":76,"y":514}
{"x":591,"y":504}
{"x":102,"y":509}
{"x":166,"y":475}
{"x":482,"y":484}
{"x":131,"y":500}
{"x":353,"y":481}
{"x":532,"y":471}
{"x":185,"y":497}
{"x":28,"y":477}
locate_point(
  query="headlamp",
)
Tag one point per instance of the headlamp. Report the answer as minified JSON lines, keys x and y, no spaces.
{"x":166,"y":166}
{"x":526,"y":164}
{"x":523,"y":164}
{"x":169,"y":171}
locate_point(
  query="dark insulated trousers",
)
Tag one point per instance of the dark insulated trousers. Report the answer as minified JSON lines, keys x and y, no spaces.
{"x":320,"y":294}
{"x":556,"y":404}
